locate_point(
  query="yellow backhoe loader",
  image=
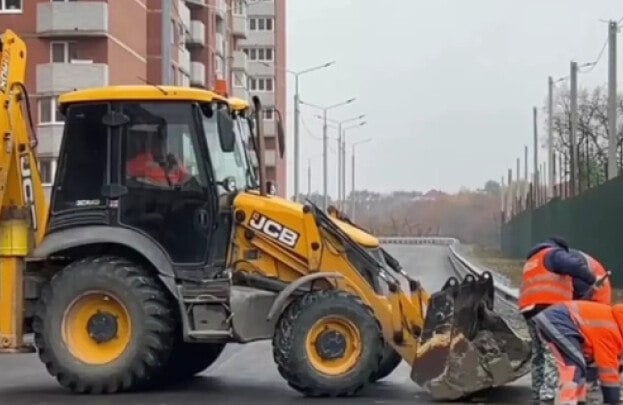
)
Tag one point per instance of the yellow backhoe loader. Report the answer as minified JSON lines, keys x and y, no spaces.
{"x":161,"y":245}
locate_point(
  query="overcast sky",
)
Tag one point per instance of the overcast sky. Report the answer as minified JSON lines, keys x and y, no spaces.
{"x":448,"y":86}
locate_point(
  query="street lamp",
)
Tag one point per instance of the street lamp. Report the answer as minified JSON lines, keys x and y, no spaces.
{"x":341,"y":154}
{"x":343,"y":174}
{"x":324,"y":143}
{"x":352,"y":194}
{"x":297,"y":147}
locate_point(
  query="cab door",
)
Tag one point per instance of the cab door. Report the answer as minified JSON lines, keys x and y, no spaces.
{"x":168,"y":195}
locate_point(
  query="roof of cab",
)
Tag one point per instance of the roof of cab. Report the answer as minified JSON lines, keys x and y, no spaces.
{"x":140,"y":92}
{"x":238,"y":104}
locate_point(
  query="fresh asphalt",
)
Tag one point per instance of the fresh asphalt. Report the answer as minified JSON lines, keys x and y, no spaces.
{"x":247,"y":373}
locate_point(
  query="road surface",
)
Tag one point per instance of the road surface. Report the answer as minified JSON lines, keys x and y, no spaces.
{"x":247,"y":373}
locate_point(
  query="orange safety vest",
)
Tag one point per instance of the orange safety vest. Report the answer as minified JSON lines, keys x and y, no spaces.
{"x":602,"y":294}
{"x":144,"y":167}
{"x":603,"y":342}
{"x":541,"y":286}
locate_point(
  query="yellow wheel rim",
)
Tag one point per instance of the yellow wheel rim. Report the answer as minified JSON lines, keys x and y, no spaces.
{"x":96,"y":328}
{"x":334,"y":345}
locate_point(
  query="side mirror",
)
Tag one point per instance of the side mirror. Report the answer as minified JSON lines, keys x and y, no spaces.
{"x":226,"y":131}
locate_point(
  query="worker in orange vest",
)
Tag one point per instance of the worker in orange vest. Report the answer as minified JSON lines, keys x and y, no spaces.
{"x":580,"y":332}
{"x":550,"y":275}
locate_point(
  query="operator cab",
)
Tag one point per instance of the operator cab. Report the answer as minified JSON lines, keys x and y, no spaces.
{"x":156,"y":160}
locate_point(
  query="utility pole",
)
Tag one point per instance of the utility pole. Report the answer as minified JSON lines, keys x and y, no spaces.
{"x":297,"y":152}
{"x":612,"y":100}
{"x":524,"y":189}
{"x":518,"y":189}
{"x":325,"y":174}
{"x":536,"y":150}
{"x":340,"y":163}
{"x":352,"y":187}
{"x":574,"y":127}
{"x":550,"y":134}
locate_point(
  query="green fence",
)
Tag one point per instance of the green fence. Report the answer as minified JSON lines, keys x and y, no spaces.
{"x":592,"y":221}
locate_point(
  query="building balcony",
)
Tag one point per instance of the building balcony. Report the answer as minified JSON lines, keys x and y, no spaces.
{"x":239,"y":26}
{"x":183,"y":60}
{"x":184,"y":15}
{"x":220,"y":44}
{"x":197,"y":74}
{"x":240,"y":61}
{"x":256,"y":68}
{"x":63,"y":77}
{"x":241,"y":92}
{"x":270,"y":128}
{"x":270,"y":157}
{"x":266,"y":97}
{"x":197,"y":35}
{"x":73,"y":18}
{"x":196,"y":3}
{"x":221,"y":9}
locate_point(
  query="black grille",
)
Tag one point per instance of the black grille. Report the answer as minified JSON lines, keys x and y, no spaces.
{"x":79,"y":218}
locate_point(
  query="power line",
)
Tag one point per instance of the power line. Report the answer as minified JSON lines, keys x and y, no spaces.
{"x":601,"y":53}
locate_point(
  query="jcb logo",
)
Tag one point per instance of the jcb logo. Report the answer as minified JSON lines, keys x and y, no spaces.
{"x":28,"y":189}
{"x":274,"y":229}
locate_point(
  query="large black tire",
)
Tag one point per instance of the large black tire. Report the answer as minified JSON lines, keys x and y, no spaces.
{"x":389,"y":361}
{"x":189,"y":359}
{"x":292,"y":354}
{"x":146,"y":306}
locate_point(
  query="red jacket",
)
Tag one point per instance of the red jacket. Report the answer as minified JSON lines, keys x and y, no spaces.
{"x":145,"y":168}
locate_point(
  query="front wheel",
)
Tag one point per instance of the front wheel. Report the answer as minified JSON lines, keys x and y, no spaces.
{"x":327,"y":343}
{"x":104,"y":325}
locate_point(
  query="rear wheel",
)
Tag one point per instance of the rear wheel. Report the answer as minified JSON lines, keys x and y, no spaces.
{"x":104,"y":325}
{"x":189,"y":359}
{"x":327,"y":343}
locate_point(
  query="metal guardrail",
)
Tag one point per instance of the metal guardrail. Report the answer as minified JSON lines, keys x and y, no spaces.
{"x":460,"y":263}
{"x":399,"y":240}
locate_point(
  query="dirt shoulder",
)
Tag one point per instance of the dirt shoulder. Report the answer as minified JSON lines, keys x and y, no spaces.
{"x":511,"y":268}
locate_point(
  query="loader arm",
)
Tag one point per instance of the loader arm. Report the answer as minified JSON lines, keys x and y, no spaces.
{"x":23,"y":209}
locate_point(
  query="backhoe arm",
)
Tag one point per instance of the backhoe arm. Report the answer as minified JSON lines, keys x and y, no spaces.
{"x":23,"y":209}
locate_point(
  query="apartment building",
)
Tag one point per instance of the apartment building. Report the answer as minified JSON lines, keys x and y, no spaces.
{"x":264,"y":49}
{"x":74,"y":44}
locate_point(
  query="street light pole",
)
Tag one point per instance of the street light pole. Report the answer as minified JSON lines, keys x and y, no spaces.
{"x":343,"y":174}
{"x":352,"y":194}
{"x":341,"y":154}
{"x":325,"y":173}
{"x":297,"y":111}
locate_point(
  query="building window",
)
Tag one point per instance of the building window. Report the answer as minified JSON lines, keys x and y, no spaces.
{"x":261,"y":84}
{"x":63,"y":52}
{"x":269,"y":114}
{"x":261,"y":24}
{"x":47,"y":169}
{"x":48,"y":111}
{"x":10,"y":6}
{"x":240,"y":7}
{"x":259,"y":54}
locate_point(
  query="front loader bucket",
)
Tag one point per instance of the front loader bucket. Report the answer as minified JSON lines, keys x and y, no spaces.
{"x":465,"y":347}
